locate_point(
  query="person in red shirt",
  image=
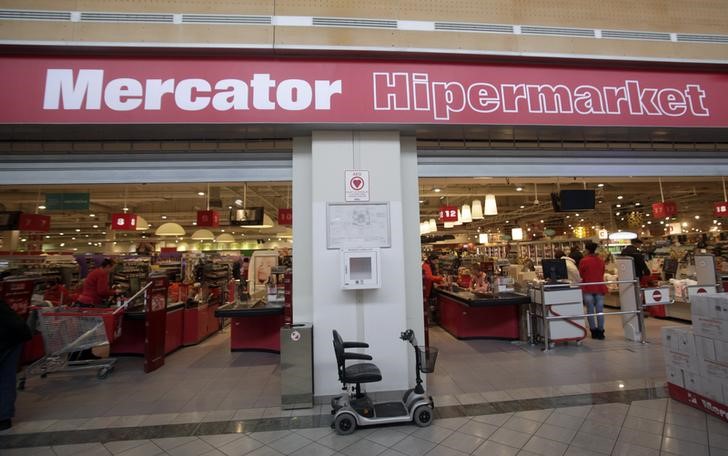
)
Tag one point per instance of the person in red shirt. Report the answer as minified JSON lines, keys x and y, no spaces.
{"x":96,"y":285}
{"x":591,"y":269}
{"x":428,"y":277}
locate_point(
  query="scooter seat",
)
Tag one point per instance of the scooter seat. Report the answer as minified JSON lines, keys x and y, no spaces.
{"x":362,"y":373}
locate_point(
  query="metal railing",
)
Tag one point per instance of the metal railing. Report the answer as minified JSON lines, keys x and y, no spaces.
{"x":547,"y":318}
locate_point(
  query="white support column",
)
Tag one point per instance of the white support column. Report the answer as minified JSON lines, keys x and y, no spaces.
{"x":376,"y":316}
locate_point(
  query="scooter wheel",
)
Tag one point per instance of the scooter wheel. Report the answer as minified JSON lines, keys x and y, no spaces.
{"x":345,"y":424}
{"x":423,"y":416}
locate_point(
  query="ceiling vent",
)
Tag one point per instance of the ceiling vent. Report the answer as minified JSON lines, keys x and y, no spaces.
{"x":629,"y":35}
{"x":127,"y":17}
{"x":556,"y":31}
{"x":702,"y":38}
{"x":220,"y":19}
{"x":364,"y":23}
{"x":35,"y":15}
{"x":467,"y":27}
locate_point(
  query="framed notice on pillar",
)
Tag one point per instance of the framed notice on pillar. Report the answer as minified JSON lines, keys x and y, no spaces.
{"x":357,"y":226}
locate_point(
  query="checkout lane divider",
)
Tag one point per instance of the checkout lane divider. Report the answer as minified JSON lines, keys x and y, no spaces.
{"x":638,"y":312}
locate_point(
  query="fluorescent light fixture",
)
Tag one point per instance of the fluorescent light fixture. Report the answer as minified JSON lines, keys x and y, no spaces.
{"x":517,"y":234}
{"x":490,"y":205}
{"x":433,"y":225}
{"x":170,"y":229}
{"x":477,"y":210}
{"x":203,"y":235}
{"x":467,"y":216}
{"x":622,"y":236}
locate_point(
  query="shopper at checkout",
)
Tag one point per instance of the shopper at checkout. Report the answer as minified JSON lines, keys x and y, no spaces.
{"x":641,"y":270}
{"x":96,"y":288}
{"x":571,"y":269}
{"x":428,"y":276}
{"x":591,"y":268}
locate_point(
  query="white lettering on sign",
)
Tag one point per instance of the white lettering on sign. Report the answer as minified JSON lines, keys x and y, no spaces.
{"x":87,"y":89}
{"x":400,"y":91}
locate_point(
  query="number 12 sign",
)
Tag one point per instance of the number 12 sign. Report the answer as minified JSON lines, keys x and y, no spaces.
{"x":449,"y":213}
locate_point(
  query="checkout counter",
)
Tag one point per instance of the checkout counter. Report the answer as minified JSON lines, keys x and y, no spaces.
{"x":473,"y":315}
{"x":254,"y":325}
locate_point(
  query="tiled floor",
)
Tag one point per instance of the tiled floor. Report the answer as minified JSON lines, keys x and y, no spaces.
{"x":492,"y":398}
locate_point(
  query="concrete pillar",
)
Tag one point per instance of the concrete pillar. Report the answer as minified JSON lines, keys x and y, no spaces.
{"x":375,"y":316}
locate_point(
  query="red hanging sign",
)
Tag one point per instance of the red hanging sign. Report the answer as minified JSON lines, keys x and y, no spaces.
{"x":123,"y":222}
{"x":208,"y":218}
{"x":449,"y":214}
{"x":285,"y":216}
{"x":664,"y":209}
{"x":720,"y":209}
{"x":34,"y":222}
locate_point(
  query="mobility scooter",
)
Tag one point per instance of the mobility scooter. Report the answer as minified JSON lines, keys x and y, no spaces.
{"x":355,"y":408}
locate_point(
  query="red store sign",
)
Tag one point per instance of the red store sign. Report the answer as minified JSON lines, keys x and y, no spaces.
{"x":720,"y":209}
{"x":109,"y":90}
{"x":664,"y":209}
{"x":449,"y":214}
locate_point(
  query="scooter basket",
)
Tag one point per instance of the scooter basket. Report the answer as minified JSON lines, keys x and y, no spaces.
{"x":428,"y":356}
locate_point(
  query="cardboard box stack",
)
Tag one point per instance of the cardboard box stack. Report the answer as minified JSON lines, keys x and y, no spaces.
{"x":696,"y":358}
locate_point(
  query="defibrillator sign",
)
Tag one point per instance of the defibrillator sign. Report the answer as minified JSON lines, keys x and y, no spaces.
{"x":357,"y":185}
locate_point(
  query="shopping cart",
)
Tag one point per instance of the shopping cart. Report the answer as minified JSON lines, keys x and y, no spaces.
{"x":67,"y":331}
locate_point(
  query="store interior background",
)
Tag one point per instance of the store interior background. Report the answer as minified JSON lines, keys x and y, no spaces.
{"x":622,"y":204}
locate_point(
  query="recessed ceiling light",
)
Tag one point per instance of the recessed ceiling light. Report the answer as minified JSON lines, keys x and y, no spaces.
{"x":78,"y":230}
{"x":619,"y":197}
{"x":95,"y":226}
{"x":519,"y":189}
{"x":600,"y":185}
{"x":41,"y":207}
{"x":92,"y":215}
{"x":201,"y":193}
{"x":436,"y":190}
{"x":164,"y":217}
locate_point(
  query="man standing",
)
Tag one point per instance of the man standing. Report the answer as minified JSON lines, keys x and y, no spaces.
{"x":642,"y":271}
{"x":13,"y":332}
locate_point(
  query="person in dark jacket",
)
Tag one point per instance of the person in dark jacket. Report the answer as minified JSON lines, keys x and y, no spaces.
{"x":640,"y":266}
{"x":576,"y":255}
{"x":13,"y":332}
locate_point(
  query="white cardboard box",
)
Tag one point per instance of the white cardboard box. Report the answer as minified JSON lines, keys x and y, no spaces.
{"x":692,"y":381}
{"x":675,"y":376}
{"x":682,"y":361}
{"x":710,"y":306}
{"x":712,"y":389}
{"x":705,"y":348}
{"x":678,"y":339}
{"x":712,"y":328}
{"x":709,"y":369}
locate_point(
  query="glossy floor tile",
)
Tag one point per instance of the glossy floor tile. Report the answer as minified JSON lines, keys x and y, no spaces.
{"x":492,"y":398}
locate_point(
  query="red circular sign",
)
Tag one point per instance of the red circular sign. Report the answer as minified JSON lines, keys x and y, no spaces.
{"x":356,"y":182}
{"x":656,"y":295}
{"x":702,"y":290}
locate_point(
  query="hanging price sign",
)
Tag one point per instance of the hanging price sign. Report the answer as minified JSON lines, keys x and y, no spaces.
{"x":664,"y":209}
{"x":123,"y":222}
{"x":285,"y":216}
{"x":449,"y":214}
{"x":720,"y":209}
{"x":208,"y":218}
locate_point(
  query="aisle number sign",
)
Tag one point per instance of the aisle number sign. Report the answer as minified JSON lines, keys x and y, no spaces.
{"x":720,"y":209}
{"x":449,"y":214}
{"x":123,"y":222}
{"x":357,"y":185}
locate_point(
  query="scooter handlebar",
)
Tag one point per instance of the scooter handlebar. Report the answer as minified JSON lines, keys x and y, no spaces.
{"x":408,"y":335}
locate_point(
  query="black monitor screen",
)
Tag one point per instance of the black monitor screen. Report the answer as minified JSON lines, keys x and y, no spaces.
{"x":554,"y":269}
{"x":670,"y":266}
{"x":576,"y":200}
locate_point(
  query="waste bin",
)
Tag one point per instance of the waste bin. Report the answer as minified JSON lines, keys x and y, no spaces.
{"x":297,"y":366}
